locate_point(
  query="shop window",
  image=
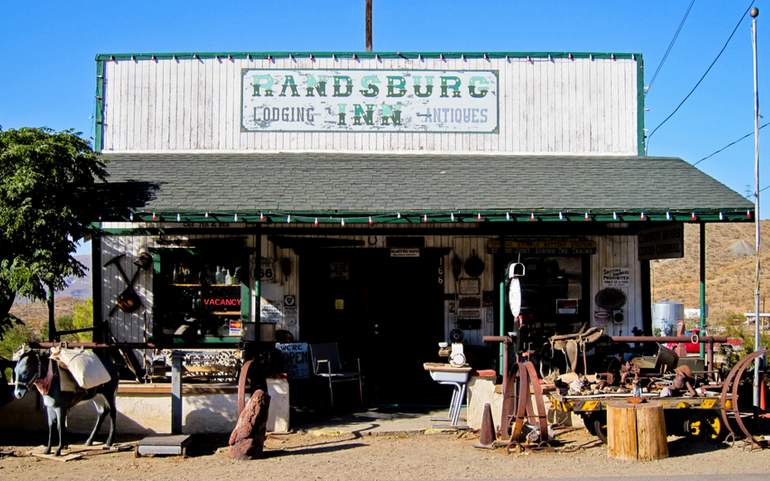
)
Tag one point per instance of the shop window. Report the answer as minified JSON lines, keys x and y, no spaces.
{"x":200,"y":294}
{"x":553,"y":294}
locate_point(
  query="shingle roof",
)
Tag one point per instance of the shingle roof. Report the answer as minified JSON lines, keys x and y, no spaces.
{"x":378,"y":182}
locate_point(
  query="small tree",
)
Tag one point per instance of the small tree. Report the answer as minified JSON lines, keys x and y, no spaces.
{"x":47,"y":185}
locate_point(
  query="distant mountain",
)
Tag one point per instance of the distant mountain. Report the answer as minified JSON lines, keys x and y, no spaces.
{"x":35,"y":314}
{"x":79,"y":287}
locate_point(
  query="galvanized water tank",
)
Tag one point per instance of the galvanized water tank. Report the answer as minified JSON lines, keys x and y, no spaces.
{"x":665,"y":315}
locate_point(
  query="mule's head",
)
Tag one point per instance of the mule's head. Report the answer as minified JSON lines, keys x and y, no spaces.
{"x":26,"y":372}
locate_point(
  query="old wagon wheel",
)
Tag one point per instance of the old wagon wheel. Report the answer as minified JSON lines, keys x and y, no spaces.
{"x":729,"y":398}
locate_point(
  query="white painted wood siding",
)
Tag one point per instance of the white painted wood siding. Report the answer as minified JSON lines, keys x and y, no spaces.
{"x":618,"y":251}
{"x":558,"y":106}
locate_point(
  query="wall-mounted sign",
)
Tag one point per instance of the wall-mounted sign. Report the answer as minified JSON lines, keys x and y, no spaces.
{"x":266,"y":269}
{"x":405,"y":252}
{"x":314,"y":100}
{"x":617,"y":277}
{"x":542,"y":246}
{"x":295,"y":359}
{"x":663,"y":242}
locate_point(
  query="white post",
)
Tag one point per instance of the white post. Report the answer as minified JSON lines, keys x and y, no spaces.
{"x":757,"y":322}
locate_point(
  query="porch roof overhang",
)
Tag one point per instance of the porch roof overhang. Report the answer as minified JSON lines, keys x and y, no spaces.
{"x":324,"y":188}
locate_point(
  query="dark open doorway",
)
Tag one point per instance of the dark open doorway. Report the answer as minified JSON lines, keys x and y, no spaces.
{"x":386,"y":310}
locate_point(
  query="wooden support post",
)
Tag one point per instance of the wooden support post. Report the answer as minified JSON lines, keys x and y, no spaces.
{"x":176,"y":392}
{"x":636,"y":432}
{"x":368,"y":25}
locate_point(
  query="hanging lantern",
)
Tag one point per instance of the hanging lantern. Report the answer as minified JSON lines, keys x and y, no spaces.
{"x":586,"y":216}
{"x":668,"y":215}
{"x":452,"y":216}
{"x":507,"y":216}
{"x":178,"y":217}
{"x":478,"y":217}
{"x":342,"y":222}
{"x":425,"y":218}
{"x":721,"y":216}
{"x":315,"y":222}
{"x":642,"y":216}
{"x":614,"y":216}
{"x":235,"y":217}
{"x":288,"y":219}
{"x":561,"y":216}
{"x":532,"y":217}
{"x":371,"y":221}
{"x":693,"y":217}
{"x":154,"y":217}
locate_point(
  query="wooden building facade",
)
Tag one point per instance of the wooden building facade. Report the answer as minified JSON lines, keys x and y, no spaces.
{"x":376,"y":199}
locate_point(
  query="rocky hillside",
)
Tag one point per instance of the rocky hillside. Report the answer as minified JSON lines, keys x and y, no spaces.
{"x":729,"y":270}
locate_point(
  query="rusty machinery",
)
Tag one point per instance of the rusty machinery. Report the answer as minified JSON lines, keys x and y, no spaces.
{"x":523,"y":418}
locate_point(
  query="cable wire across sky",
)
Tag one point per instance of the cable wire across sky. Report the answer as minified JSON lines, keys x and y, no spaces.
{"x":702,"y":77}
{"x":670,"y":45}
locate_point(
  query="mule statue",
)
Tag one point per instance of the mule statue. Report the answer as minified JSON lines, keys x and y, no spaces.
{"x":37,"y":368}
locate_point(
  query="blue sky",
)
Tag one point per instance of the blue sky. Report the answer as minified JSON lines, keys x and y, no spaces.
{"x":48,"y":48}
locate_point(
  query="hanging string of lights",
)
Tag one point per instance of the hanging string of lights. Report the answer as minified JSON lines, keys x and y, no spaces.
{"x":443,"y":217}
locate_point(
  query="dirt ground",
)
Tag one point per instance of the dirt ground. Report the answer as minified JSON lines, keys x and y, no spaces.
{"x":419,"y":457}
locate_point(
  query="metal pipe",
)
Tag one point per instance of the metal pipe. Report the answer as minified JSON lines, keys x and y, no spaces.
{"x":501,"y":329}
{"x":702,"y":285}
{"x":758,"y":361}
{"x":674,"y":339}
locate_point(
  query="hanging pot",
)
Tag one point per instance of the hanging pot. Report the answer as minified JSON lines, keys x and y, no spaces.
{"x":474,"y":266}
{"x":610,"y":298}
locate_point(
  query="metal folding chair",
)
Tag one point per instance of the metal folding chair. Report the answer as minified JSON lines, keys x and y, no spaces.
{"x":327,"y":364}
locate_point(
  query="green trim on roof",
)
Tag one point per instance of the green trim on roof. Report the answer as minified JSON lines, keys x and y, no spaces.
{"x":361,"y":55}
{"x":640,"y":145}
{"x":439,"y":216}
{"x":99,"y":107}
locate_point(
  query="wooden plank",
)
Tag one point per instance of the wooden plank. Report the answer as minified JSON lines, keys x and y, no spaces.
{"x":62,"y":459}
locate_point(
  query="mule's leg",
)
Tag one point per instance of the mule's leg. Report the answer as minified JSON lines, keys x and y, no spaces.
{"x":101,"y":414}
{"x":51,"y":417}
{"x":113,"y":413}
{"x":60,"y":413}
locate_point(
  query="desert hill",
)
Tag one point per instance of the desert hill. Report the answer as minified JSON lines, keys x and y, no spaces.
{"x":729,"y":270}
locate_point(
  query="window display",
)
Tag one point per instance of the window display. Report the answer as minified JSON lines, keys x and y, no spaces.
{"x":199,"y":295}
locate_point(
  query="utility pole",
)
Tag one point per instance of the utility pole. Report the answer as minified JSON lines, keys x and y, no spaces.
{"x":368,"y":25}
{"x":757,"y":345}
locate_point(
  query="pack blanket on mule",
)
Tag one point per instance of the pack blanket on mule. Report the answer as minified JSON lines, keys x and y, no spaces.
{"x":85,"y":367}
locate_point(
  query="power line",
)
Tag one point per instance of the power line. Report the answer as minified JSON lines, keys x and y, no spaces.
{"x":712,"y":154}
{"x":670,"y":45}
{"x":711,"y":65}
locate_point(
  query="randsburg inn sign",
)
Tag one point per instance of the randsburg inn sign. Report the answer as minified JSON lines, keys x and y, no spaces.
{"x":369,"y":100}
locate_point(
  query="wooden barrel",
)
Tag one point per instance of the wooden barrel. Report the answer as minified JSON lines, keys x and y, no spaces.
{"x":636,"y":432}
